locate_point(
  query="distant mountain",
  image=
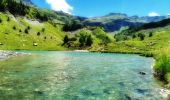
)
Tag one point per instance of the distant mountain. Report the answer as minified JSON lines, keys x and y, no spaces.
{"x":27,"y":1}
{"x":115,"y":21}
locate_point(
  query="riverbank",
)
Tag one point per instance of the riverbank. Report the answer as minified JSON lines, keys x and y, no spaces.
{"x":7,"y":54}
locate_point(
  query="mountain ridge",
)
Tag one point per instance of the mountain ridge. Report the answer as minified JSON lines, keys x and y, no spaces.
{"x":115,"y":21}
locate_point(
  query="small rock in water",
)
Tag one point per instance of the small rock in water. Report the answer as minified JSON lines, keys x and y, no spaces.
{"x":142,"y":73}
{"x":107,"y":91}
{"x":127,"y":97}
{"x":142,"y":91}
{"x":38,"y":92}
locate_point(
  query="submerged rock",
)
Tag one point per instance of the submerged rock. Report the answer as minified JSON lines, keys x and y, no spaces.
{"x":142,"y":73}
{"x":39,"y":92}
{"x":142,"y":91}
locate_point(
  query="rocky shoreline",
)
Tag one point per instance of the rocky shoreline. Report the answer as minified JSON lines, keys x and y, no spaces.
{"x":8,"y":54}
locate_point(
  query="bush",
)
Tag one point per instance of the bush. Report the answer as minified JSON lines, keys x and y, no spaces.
{"x":0,"y":20}
{"x":45,"y":37}
{"x":20,"y":30}
{"x":66,"y":39}
{"x":26,"y":31}
{"x":38,"y":34}
{"x":150,"y":34}
{"x":28,"y":27}
{"x":141,"y":36}
{"x":89,"y":40}
{"x":14,"y":27}
{"x":162,"y":66}
{"x":43,"y":30}
{"x":8,"y":19}
{"x":134,"y":36}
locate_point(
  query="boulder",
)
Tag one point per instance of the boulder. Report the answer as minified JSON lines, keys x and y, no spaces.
{"x":35,"y":44}
{"x":142,"y":73}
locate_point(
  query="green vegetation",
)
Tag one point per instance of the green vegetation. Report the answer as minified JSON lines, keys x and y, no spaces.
{"x":162,"y":66}
{"x":21,"y":33}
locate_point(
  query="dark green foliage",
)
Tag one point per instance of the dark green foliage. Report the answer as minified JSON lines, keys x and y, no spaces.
{"x":20,"y":30}
{"x":14,"y":27}
{"x":8,"y":19}
{"x":89,"y":40}
{"x":66,"y":39}
{"x":72,"y":25}
{"x":2,"y":5}
{"x":73,"y":39}
{"x":134,"y":36}
{"x":19,"y":8}
{"x":38,"y":33}
{"x":141,"y":36}
{"x":43,"y":30}
{"x":41,"y":16}
{"x":150,"y":34}
{"x":45,"y":37}
{"x":0,"y":20}
{"x":82,"y":40}
{"x":26,"y":31}
{"x":28,"y":27}
{"x":16,"y":8}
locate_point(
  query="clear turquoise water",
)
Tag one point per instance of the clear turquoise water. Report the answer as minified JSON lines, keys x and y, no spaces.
{"x":77,"y":76}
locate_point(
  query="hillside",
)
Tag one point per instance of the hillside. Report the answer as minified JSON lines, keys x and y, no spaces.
{"x":22,"y":33}
{"x":24,"y":26}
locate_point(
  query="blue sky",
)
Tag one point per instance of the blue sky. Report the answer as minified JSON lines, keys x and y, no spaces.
{"x":93,"y":8}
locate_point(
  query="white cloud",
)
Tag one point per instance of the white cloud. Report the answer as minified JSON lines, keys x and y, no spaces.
{"x":60,"y":5}
{"x":168,"y":14}
{"x":153,"y":14}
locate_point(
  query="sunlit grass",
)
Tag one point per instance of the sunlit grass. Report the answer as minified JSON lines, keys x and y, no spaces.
{"x":162,"y":65}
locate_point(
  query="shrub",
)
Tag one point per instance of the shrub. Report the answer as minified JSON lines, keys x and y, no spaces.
{"x":28,"y":27}
{"x":89,"y":40}
{"x":14,"y":27}
{"x":162,"y":66}
{"x":38,"y":34}
{"x":8,"y":19}
{"x":26,"y":31}
{"x":0,"y":20}
{"x":66,"y":39}
{"x":45,"y":37}
{"x":150,"y":34}
{"x":20,"y":30}
{"x":141,"y":36}
{"x":43,"y":30}
{"x":134,"y":36}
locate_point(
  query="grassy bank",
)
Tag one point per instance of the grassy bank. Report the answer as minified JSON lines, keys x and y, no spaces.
{"x":162,"y":65}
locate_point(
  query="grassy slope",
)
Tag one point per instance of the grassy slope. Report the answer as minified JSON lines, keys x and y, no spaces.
{"x":13,"y":39}
{"x":160,"y":39}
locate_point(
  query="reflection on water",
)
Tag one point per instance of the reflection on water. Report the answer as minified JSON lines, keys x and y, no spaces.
{"x":77,"y":76}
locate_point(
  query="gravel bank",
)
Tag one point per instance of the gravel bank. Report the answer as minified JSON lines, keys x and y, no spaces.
{"x":8,"y":54}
